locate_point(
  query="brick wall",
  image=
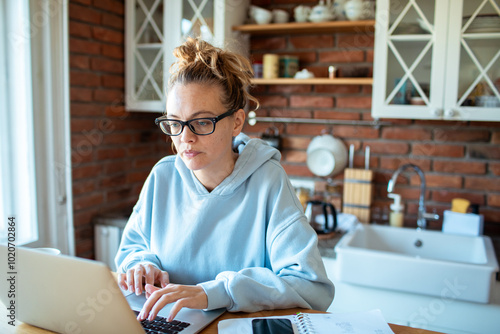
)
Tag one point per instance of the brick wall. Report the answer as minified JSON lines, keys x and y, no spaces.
{"x":112,"y":150}
{"x":460,"y":159}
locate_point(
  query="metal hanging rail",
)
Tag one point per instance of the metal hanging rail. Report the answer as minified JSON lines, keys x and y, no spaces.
{"x":253,"y":119}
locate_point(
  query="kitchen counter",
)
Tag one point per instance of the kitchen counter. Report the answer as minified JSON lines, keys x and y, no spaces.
{"x":414,"y":310}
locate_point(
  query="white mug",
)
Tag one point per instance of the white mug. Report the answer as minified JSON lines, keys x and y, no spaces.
{"x":49,"y":250}
{"x":301,"y":13}
{"x":280,"y":16}
{"x":260,"y":15}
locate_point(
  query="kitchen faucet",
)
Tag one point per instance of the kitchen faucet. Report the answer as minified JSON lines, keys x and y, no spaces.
{"x":422,"y":214}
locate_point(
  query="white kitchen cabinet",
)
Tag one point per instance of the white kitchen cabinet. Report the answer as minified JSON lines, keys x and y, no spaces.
{"x":153,"y":28}
{"x":437,"y":60}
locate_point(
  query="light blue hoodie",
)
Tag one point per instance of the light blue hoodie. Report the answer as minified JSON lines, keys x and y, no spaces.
{"x":247,"y":242}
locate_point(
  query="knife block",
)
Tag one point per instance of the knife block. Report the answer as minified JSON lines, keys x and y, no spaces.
{"x":358,"y":193}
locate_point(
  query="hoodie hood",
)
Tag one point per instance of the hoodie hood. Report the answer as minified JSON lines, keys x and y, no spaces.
{"x":253,"y":153}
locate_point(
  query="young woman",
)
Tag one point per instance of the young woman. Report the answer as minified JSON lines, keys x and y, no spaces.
{"x":218,"y":225}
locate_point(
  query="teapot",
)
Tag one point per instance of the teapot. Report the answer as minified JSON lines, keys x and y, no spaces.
{"x":320,"y":219}
{"x":322,"y":12}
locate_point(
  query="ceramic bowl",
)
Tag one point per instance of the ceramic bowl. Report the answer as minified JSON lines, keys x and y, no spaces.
{"x":326,"y":155}
{"x":260,"y":15}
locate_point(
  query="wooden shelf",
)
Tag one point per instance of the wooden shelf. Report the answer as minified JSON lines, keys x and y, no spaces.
{"x":314,"y":81}
{"x":307,"y":27}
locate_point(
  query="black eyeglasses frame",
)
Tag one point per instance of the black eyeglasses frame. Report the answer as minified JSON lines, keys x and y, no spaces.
{"x":214,"y":121}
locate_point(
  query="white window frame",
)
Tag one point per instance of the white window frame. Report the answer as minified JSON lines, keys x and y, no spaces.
{"x":46,"y":30}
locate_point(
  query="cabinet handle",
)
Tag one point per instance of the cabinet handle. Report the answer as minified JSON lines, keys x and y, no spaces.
{"x":437,"y":112}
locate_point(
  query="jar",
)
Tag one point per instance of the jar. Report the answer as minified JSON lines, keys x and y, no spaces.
{"x":271,"y":66}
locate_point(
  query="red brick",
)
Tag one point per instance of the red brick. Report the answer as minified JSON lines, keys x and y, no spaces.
{"x":113,"y":21}
{"x":462,"y":135}
{"x":292,"y":142}
{"x":87,"y":201}
{"x":494,"y":200}
{"x":428,"y":149}
{"x":355,"y":40}
{"x":369,"y":56}
{"x":106,"y":65}
{"x":482,"y":183}
{"x":108,"y":95}
{"x":79,"y":62}
{"x":267,"y":43}
{"x":135,"y":177}
{"x":491,"y":215}
{"x":353,"y":131}
{"x":83,"y":172}
{"x":462,"y":167}
{"x":86,"y":79}
{"x":85,"y":109}
{"x":110,"y":153}
{"x":495,"y":138}
{"x":83,"y":13}
{"x":304,"y":57}
{"x":139,"y":151}
{"x":83,"y":187}
{"x":110,"y":6}
{"x":302,"y":101}
{"x":146,"y":162}
{"x":81,"y":94}
{"x":446,"y":196}
{"x":113,"y":181}
{"x":85,"y":249}
{"x":290,"y":89}
{"x":439,"y":181}
{"x":116,"y":111}
{"x":113,"y":81}
{"x":312,"y":41}
{"x":360,"y":102}
{"x":117,"y":138}
{"x":337,"y":89}
{"x":393,"y":163}
{"x":297,"y":170}
{"x":272,"y":101}
{"x":341,"y":56}
{"x":85,"y":47}
{"x":116,"y":166}
{"x":405,"y":133}
{"x":494,"y":167}
{"x":107,"y":35}
{"x":290,"y":113}
{"x":79,"y":29}
{"x":83,"y":2}
{"x":113,"y":51}
{"x":305,"y":129}
{"x":295,"y":156}
{"x":118,"y":194}
{"x":337,"y":115}
{"x":482,"y":151}
{"x":385,"y":147}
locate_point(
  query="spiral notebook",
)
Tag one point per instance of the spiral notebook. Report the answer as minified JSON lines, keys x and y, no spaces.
{"x":319,"y":323}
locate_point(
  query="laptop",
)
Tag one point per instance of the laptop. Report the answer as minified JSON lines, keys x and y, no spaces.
{"x":72,"y":295}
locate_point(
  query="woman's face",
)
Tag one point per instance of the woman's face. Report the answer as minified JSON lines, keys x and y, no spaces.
{"x":211,"y":153}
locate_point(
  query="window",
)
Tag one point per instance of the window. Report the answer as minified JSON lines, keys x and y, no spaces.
{"x":35,"y":169}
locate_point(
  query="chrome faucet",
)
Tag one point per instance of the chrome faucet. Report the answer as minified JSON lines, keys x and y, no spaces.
{"x":422,"y":214}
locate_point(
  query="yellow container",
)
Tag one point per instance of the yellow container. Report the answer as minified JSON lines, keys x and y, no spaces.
{"x":271,"y":64}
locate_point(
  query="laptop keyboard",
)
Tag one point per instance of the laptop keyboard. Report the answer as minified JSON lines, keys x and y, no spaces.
{"x":160,"y":325}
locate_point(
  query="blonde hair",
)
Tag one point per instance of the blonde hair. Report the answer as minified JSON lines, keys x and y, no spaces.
{"x":202,"y":63}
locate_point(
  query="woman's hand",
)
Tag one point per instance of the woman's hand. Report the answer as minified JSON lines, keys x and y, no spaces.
{"x":191,"y":296}
{"x":142,"y":274}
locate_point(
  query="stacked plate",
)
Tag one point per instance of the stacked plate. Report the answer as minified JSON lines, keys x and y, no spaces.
{"x":483,"y":23}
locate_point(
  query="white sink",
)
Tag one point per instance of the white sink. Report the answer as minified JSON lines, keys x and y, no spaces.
{"x":419,"y":261}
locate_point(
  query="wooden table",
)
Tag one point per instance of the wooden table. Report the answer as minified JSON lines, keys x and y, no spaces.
{"x":21,"y":328}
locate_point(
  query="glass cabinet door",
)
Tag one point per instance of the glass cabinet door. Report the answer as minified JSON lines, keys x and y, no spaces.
{"x":145,"y":36}
{"x":476,"y":26}
{"x":410,"y":43}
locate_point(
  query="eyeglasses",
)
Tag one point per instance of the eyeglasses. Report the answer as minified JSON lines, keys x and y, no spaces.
{"x":199,"y":126}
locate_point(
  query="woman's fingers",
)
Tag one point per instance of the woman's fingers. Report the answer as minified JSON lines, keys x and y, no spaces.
{"x":122,"y":281}
{"x":182,"y":295}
